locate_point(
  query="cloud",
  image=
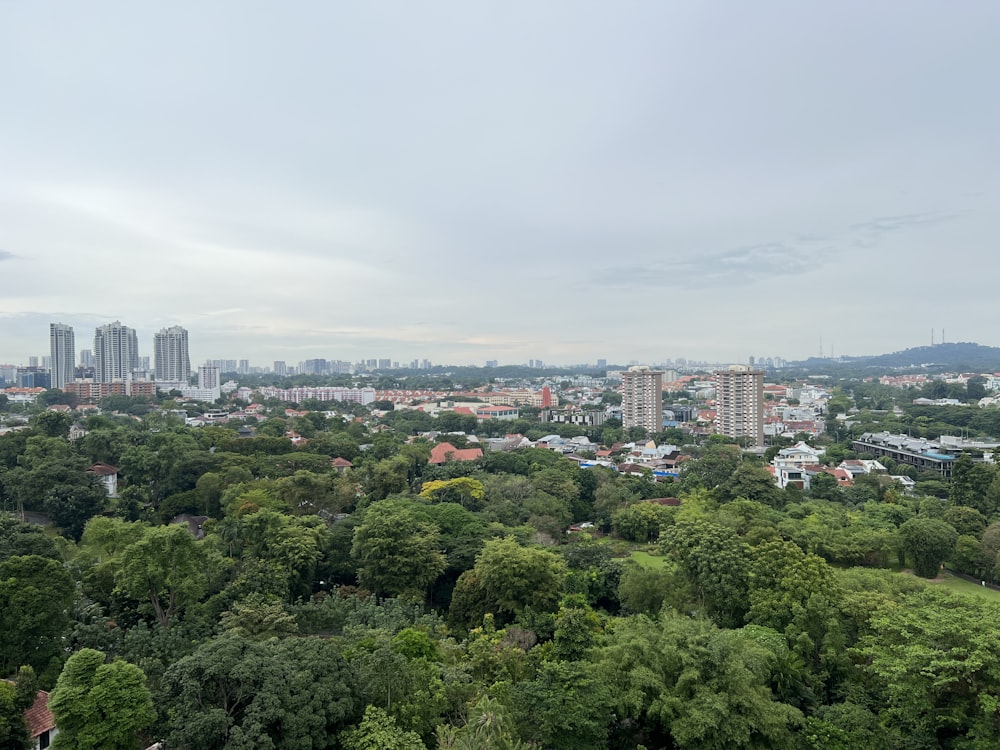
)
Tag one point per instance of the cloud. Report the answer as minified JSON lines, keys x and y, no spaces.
{"x":869,"y":233}
{"x":6,"y":255}
{"x":732,"y":267}
{"x":738,"y":266}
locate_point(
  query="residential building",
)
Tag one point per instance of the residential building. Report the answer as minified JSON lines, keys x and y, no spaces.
{"x":444,"y":452}
{"x":569,"y":416}
{"x":497,"y":412}
{"x":925,"y":455}
{"x":739,"y":403}
{"x":116,"y":352}
{"x":321,"y":393}
{"x":542,"y":398}
{"x":62,"y":348}
{"x":642,"y":398}
{"x":86,"y":358}
{"x":208,"y":377}
{"x":108,"y":477}
{"x":170,"y":350}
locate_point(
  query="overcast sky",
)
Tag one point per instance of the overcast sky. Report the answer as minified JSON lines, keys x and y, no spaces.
{"x":464,"y":181}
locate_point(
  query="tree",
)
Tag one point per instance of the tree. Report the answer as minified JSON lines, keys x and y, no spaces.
{"x":18,"y":539}
{"x":965,"y":520}
{"x":645,"y":590}
{"x":714,"y":560}
{"x":565,"y":707}
{"x":166,"y":567}
{"x":35,"y":596}
{"x":679,"y":682}
{"x":52,"y":424}
{"x":712,"y":469}
{"x":506,"y":579}
{"x":927,"y":542}
{"x":935,"y":670}
{"x":641,"y":522}
{"x":396,"y":550}
{"x":13,"y":729}
{"x":465,"y":491}
{"x":752,"y":483}
{"x":71,"y":506}
{"x":236,"y":693}
{"x":100,"y":705}
{"x":378,"y":731}
{"x":970,"y":484}
{"x":489,"y":726}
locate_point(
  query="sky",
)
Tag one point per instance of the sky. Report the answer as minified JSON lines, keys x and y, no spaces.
{"x":462,"y":181}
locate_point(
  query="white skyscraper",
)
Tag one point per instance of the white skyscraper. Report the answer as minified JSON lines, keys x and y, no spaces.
{"x":170,"y":348}
{"x":116,"y":352}
{"x":62,"y":348}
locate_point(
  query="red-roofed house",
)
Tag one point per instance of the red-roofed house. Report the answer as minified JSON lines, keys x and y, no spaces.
{"x":443,"y":452}
{"x":341,"y":464}
{"x":41,"y":725}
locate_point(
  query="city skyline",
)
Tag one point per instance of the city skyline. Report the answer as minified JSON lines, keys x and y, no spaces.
{"x":465,"y":182}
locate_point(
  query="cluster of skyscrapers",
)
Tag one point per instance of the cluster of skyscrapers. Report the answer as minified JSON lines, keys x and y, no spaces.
{"x":115,"y":355}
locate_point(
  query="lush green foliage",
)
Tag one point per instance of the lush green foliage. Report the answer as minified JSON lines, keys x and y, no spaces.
{"x":402,"y":605}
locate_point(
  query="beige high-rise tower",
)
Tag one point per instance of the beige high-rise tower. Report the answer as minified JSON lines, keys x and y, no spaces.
{"x":642,"y":399}
{"x":739,"y":403}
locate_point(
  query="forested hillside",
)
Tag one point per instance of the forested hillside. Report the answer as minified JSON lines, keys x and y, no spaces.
{"x":251,"y":592}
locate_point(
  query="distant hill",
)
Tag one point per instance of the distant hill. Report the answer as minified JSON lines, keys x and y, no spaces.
{"x":957,"y":357}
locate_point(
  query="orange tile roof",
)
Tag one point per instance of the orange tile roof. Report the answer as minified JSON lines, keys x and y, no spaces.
{"x":447,"y":452}
{"x":38,"y":717}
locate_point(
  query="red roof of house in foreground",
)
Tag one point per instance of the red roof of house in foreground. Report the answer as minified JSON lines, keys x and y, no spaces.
{"x":102,"y":470}
{"x":38,"y":717}
{"x":341,"y":463}
{"x":447,"y":452}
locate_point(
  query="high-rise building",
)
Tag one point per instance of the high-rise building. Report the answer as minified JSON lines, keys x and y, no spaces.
{"x":280,"y":368}
{"x":642,"y":398}
{"x":208,"y":376}
{"x":116,"y":352}
{"x":602,"y":364}
{"x":62,"y":348}
{"x":244,"y":367}
{"x":86,"y":358}
{"x":172,"y":358}
{"x":739,"y":403}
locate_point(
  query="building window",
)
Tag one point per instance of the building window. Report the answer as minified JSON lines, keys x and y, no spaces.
{"x":43,"y":740}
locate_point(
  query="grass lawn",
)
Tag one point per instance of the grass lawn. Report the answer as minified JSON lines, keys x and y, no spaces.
{"x":647,"y":560}
{"x":960,"y":585}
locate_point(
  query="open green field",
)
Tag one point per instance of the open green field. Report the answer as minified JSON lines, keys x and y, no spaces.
{"x":647,"y":560}
{"x":959,"y":585}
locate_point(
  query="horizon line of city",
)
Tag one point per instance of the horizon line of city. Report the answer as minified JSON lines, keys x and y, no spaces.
{"x":115,"y":342}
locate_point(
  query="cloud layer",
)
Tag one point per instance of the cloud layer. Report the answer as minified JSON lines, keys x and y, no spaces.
{"x":566,"y":180}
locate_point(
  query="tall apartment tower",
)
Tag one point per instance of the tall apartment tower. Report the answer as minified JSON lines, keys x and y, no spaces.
{"x":116,"y":352}
{"x":208,"y":376}
{"x":170,"y":348}
{"x":739,"y":403}
{"x":62,"y":348}
{"x":642,"y":398}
